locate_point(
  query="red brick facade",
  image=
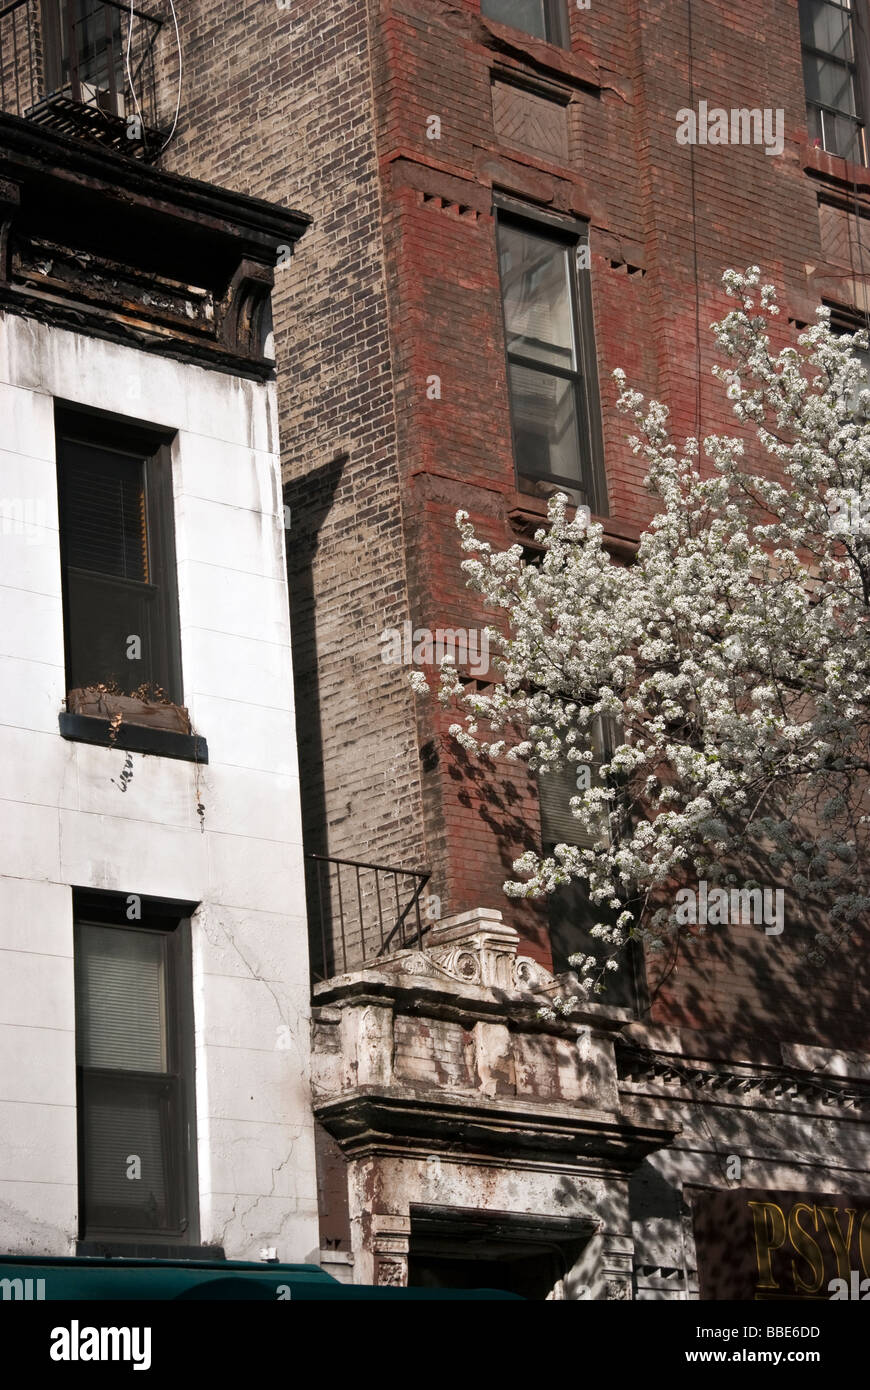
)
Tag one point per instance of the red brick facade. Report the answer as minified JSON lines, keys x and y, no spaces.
{"x":327,"y":107}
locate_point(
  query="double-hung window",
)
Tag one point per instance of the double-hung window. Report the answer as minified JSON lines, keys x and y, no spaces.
{"x":834,"y":49}
{"x":571,"y":915}
{"x":845,"y":321}
{"x":550,"y":362}
{"x":135,"y":1113}
{"x":118,"y":556}
{"x":543,"y":19}
{"x":860,"y":413}
{"x":559,"y":825}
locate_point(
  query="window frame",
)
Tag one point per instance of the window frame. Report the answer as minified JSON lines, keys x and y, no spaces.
{"x":859,"y":70}
{"x":849,"y":320}
{"x":605,"y":740}
{"x":171,"y":921}
{"x":151,"y":445}
{"x":60,"y":45}
{"x":556,"y":26}
{"x":573,"y":235}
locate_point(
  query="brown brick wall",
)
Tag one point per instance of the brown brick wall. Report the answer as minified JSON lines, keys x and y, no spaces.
{"x":278,"y":104}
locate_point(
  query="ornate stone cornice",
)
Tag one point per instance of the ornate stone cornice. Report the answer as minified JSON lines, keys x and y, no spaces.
{"x":684,"y":1078}
{"x":469,"y":968}
{"x":377,"y":1121}
{"x":105,"y":245}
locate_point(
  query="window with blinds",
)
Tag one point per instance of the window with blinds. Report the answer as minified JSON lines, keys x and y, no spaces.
{"x":559,"y":825}
{"x":118,"y":557}
{"x":570,"y":914}
{"x":121,"y":984}
{"x":132,"y":1108}
{"x":104,"y":512}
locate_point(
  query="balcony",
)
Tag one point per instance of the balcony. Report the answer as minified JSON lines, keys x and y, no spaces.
{"x":64,"y":64}
{"x":360,"y":912}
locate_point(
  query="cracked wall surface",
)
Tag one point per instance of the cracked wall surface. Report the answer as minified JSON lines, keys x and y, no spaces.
{"x":64,"y":822}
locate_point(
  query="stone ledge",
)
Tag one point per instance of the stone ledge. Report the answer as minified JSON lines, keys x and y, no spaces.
{"x":373,"y":1120}
{"x":133,"y":738}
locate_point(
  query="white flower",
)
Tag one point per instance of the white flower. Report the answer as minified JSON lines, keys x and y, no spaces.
{"x":731,"y":660}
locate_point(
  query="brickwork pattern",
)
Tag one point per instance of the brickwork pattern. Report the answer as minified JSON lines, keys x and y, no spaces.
{"x":277,"y":103}
{"x":394,"y":404}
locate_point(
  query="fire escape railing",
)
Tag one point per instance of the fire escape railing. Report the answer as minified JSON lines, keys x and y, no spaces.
{"x":358,"y":912}
{"x":63,"y":64}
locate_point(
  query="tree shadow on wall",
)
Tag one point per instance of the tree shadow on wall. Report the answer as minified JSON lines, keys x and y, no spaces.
{"x":731,"y":981}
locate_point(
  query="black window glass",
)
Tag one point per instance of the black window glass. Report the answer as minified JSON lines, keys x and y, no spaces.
{"x":118,"y":560}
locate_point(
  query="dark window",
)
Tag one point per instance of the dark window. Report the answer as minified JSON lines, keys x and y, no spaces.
{"x":460,"y":1249}
{"x":834,"y":67}
{"x":84,"y":53}
{"x":550,"y":362}
{"x":530,"y":1275}
{"x":543,"y":19}
{"x":118,"y":557}
{"x":863,"y":356}
{"x":844,"y":320}
{"x":132,"y":1051}
{"x":571,"y":915}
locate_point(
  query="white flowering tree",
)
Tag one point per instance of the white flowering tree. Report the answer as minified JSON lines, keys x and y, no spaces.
{"x":732,"y":658}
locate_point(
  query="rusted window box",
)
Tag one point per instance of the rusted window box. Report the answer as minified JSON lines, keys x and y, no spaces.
{"x":145,"y":726}
{"x":154,"y":714}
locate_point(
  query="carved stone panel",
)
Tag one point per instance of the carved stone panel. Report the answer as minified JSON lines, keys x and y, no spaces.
{"x":391,"y":1273}
{"x":530,"y":122}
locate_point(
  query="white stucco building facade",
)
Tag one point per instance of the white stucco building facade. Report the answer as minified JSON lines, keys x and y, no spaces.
{"x":222,"y":838}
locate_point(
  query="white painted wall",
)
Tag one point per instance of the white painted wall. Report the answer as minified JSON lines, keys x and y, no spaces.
{"x":63,"y":822}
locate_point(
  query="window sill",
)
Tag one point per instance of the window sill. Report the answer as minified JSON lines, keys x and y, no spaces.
{"x":834,"y":169}
{"x":134,"y":738}
{"x":528,"y":514}
{"x":564,"y":64}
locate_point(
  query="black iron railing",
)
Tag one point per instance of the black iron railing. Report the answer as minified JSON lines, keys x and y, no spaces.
{"x":358,"y":912}
{"x":77,"y":67}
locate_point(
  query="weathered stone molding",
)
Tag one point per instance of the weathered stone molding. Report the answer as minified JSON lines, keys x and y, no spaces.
{"x":402,"y":1061}
{"x":142,"y":257}
{"x":469,"y":966}
{"x":517,"y":1133}
{"x":445,"y":1090}
{"x":673,"y":1077}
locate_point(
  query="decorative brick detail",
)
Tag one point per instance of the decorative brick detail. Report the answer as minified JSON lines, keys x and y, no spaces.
{"x":529,"y":122}
{"x":842,"y":233}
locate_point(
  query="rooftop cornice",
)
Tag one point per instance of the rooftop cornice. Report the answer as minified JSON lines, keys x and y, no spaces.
{"x":68,"y":160}
{"x":105,"y":245}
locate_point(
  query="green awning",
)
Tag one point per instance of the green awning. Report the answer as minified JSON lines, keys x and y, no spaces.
{"x":32,"y":1278}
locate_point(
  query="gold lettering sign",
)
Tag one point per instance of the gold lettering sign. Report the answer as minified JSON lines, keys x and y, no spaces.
{"x":779,"y":1245}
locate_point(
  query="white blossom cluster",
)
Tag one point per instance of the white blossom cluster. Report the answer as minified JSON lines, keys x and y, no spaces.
{"x":732,"y":657}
